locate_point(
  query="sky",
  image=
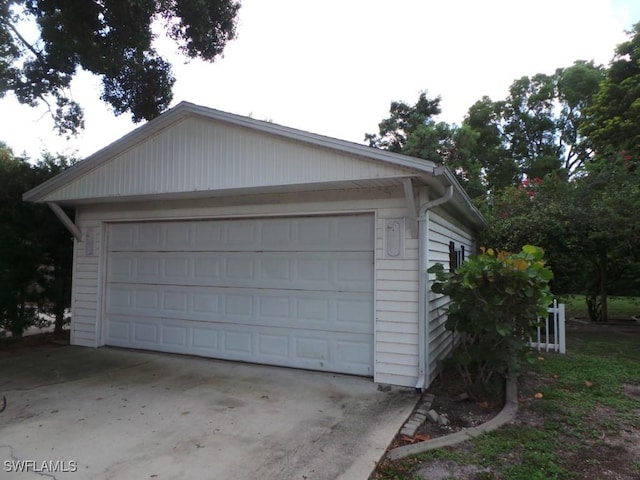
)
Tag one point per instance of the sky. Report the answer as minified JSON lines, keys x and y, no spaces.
{"x":334,"y":66}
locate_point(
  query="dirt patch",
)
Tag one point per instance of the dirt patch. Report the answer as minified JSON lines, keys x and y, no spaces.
{"x":460,"y":414}
{"x":446,"y":470}
{"x":632,"y":391}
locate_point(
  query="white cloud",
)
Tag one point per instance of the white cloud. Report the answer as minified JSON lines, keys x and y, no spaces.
{"x":333,"y":66}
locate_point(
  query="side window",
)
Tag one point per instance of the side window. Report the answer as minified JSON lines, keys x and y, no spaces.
{"x":456,"y":256}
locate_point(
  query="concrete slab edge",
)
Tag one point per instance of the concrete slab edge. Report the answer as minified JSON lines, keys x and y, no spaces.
{"x":506,"y":415}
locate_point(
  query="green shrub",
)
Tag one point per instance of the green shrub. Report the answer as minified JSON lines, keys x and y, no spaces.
{"x":497,"y":298}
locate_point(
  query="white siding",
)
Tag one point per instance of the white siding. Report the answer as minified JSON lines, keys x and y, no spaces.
{"x":197,"y":155}
{"x":85,"y":287}
{"x":397,"y":306}
{"x":396,"y":302}
{"x":442,"y":230}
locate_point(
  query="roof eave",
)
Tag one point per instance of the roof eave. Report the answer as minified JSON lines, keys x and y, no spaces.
{"x":185,"y":109}
{"x":421,"y":167}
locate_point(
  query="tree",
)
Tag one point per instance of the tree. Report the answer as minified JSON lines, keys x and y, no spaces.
{"x":589,"y":228}
{"x":35,"y":249}
{"x":394,"y":131}
{"x":497,"y":167}
{"x":613,"y":121}
{"x":413,"y":130}
{"x":611,"y":195}
{"x":110,"y":38}
{"x":20,"y":253}
{"x":535,"y":130}
{"x":57,"y":247}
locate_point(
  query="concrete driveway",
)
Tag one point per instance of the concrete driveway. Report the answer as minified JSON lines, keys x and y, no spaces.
{"x":109,"y":413}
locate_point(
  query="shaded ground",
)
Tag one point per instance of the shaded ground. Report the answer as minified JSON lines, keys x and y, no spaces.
{"x":10,"y":345}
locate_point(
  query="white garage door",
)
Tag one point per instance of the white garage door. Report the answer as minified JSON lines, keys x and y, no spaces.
{"x":282,"y":291}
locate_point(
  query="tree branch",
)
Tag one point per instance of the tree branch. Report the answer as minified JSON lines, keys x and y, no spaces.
{"x":23,"y":40}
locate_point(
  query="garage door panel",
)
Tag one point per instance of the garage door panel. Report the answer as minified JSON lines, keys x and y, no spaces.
{"x":118,"y":331}
{"x":327,"y":271}
{"x":317,"y":350}
{"x":146,"y":333}
{"x":284,"y":291}
{"x":339,"y":233}
{"x":341,"y":312}
{"x":204,"y":339}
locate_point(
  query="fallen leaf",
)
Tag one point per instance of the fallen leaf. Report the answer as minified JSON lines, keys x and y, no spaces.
{"x":538,"y":395}
{"x":483,"y":404}
{"x":588,"y":383}
{"x":418,"y":437}
{"x":556,"y":376}
{"x":540,"y":358}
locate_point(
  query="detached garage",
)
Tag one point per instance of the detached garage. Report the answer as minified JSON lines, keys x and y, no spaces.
{"x":216,"y":235}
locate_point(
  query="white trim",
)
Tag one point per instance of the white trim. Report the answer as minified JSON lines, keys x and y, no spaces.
{"x":66,"y":221}
{"x":412,"y":209}
{"x":375,"y":296}
{"x":102,"y":286}
{"x":233,"y":216}
{"x":102,"y":264}
{"x":74,"y":286}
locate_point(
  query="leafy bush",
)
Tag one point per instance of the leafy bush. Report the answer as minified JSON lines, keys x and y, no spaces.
{"x":497,"y":298}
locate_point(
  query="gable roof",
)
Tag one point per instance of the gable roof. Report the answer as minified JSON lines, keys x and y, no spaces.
{"x":225,"y":153}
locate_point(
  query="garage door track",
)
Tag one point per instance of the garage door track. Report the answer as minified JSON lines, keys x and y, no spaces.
{"x":75,"y":413}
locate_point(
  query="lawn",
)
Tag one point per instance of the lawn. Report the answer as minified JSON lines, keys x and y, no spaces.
{"x":578,"y":418}
{"x":619,"y":307}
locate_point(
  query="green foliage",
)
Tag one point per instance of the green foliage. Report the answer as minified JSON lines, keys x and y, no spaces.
{"x":496,"y":299}
{"x":613,"y":121}
{"x":112,"y":39}
{"x":35,"y":249}
{"x":535,"y":130}
{"x":412,"y":130}
{"x":595,"y":218}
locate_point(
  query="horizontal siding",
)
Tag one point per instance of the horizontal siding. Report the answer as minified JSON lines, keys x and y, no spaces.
{"x":397,"y":275}
{"x":397,"y":327}
{"x":441,"y":231}
{"x":396,"y":379}
{"x":398,"y":296}
{"x":84,"y":327}
{"x":85,"y":292}
{"x":397,"y":347}
{"x":396,"y":305}
{"x":397,"y":285}
{"x":396,"y":338}
{"x":399,"y":306}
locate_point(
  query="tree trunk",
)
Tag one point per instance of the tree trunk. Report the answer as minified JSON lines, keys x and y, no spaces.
{"x":603,"y":286}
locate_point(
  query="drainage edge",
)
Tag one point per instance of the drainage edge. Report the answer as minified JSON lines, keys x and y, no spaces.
{"x":505,"y":416}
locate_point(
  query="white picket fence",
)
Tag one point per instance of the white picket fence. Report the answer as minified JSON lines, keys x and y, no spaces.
{"x":551,"y":334}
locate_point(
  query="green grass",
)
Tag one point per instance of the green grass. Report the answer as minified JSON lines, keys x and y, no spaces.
{"x":583,"y":400}
{"x":619,"y":307}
